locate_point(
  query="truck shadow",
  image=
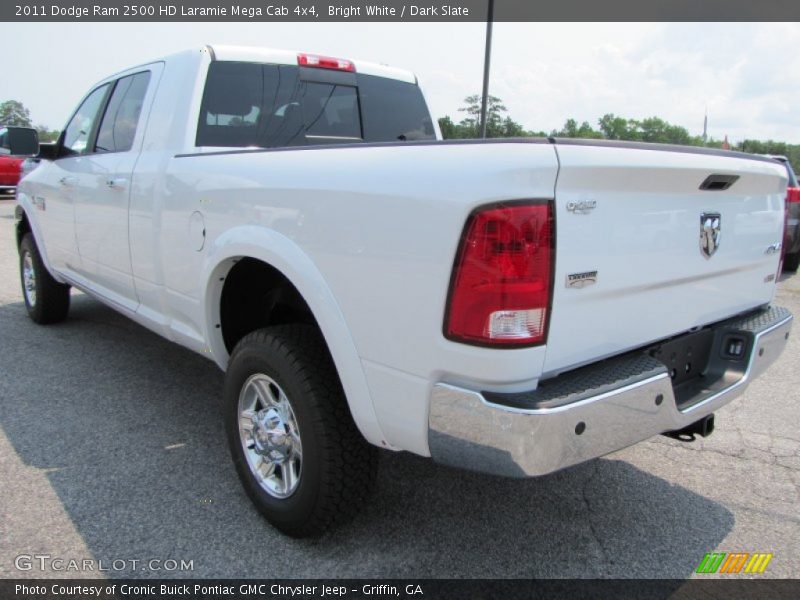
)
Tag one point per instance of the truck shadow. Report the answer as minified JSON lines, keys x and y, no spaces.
{"x":129,"y":429}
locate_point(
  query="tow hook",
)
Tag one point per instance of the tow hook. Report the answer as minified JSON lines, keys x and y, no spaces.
{"x":703,"y":427}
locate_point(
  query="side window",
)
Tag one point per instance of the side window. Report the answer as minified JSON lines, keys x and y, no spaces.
{"x":231,"y":107}
{"x":118,"y":127}
{"x":79,"y":129}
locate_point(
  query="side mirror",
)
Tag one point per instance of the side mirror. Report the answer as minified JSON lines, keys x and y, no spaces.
{"x":48,"y":150}
{"x":19,"y":141}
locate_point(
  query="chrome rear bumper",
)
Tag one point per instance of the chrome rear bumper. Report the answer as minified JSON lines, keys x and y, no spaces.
{"x":591,"y":411}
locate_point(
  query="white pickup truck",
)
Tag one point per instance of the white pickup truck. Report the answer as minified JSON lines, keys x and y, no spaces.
{"x":508,"y":306}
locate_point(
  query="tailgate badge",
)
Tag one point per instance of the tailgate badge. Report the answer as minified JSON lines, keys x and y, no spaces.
{"x":581,"y":280}
{"x":710,"y":234}
{"x":582,"y":207}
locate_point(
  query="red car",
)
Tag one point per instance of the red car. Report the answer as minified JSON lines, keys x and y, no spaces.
{"x":10,"y":170}
{"x":10,"y":165}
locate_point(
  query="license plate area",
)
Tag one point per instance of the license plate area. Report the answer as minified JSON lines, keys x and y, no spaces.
{"x":686,"y":357}
{"x":704,"y":362}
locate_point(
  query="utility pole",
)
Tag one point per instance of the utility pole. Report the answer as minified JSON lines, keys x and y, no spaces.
{"x":705,"y":127}
{"x":487,"y":57}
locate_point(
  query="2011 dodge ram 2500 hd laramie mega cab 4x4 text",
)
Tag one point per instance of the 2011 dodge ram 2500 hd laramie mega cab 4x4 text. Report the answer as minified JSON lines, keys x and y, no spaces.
{"x":506,"y":306}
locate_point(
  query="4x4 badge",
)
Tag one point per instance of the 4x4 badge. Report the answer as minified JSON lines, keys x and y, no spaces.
{"x":710,"y":234}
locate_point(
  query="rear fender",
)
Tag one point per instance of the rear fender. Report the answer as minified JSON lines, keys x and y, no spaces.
{"x":284,"y":255}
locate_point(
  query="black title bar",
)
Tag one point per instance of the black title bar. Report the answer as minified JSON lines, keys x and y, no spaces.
{"x":310,"y":11}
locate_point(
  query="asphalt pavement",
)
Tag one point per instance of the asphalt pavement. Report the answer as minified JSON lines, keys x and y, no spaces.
{"x":112,"y":449}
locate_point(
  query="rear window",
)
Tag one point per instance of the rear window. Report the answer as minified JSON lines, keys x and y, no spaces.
{"x":330,"y":111}
{"x":250,"y":104}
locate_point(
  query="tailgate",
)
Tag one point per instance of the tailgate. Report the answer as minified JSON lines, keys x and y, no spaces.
{"x":643,"y":253}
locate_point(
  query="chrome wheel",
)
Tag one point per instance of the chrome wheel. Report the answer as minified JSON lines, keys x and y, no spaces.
{"x":270,"y":436}
{"x":29,"y":279}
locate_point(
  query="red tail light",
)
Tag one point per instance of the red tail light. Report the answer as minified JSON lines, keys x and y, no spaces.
{"x":792,"y":195}
{"x":500,"y":291}
{"x":325,"y":62}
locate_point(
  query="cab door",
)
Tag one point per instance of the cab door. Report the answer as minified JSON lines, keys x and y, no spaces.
{"x":57,"y":182}
{"x":104,"y":188}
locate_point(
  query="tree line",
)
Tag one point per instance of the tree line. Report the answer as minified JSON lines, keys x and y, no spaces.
{"x":608,"y":127}
{"x":14,"y":114}
{"x":500,"y":125}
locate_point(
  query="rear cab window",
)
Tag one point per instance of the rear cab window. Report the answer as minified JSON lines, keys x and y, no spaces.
{"x":272,"y":106}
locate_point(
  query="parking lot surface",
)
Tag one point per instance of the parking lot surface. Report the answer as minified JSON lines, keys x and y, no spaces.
{"x":112,"y":449}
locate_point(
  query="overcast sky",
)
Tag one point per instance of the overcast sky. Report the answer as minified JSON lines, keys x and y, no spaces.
{"x":747,"y":75}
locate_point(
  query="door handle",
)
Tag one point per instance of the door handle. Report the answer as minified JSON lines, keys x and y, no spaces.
{"x":116,"y":182}
{"x":66,"y":180}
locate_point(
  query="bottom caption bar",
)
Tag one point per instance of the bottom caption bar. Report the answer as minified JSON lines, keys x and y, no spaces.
{"x":233,"y":589}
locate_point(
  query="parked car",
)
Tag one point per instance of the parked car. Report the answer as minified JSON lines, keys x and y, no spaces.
{"x":508,"y":306}
{"x":10,"y":169}
{"x":11,"y":164}
{"x":791,"y":238}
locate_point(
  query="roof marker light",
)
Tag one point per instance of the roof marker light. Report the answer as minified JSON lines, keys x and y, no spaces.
{"x":325,"y":62}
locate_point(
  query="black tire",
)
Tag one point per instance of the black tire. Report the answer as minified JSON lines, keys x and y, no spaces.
{"x":49,"y":302}
{"x":338,"y":466}
{"x":791,"y":262}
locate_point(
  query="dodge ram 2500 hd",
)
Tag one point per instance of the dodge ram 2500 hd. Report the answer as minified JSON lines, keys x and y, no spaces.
{"x":507,"y":306}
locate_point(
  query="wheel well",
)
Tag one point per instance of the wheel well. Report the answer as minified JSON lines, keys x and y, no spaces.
{"x":257,"y":295}
{"x":23,"y":226}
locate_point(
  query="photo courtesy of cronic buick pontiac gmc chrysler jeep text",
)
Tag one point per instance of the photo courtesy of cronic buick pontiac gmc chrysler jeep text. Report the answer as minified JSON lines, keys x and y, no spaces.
{"x":509,"y":306}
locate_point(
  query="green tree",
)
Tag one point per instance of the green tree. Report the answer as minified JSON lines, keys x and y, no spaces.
{"x":497,"y":124}
{"x":14,"y":113}
{"x":510,"y":128}
{"x":659,"y":131}
{"x":46,"y":134}
{"x":616,"y":128}
{"x":450,"y":131}
{"x":494,"y":117}
{"x":571,"y":129}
